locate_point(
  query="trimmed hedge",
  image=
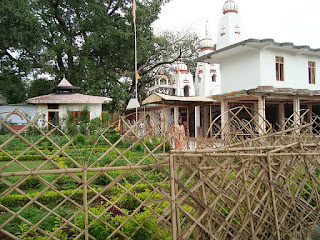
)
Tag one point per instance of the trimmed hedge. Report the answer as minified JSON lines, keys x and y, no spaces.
{"x":48,"y":197}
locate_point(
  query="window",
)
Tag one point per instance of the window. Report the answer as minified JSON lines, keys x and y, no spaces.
{"x":279,"y":69}
{"x":53,"y":106}
{"x":214,"y":78}
{"x":186,"y":91}
{"x":312,"y":72}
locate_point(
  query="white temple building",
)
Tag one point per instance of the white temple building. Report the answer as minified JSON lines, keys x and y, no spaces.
{"x":274,"y":79}
{"x":207,"y":79}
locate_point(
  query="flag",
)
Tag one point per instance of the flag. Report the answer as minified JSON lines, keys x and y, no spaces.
{"x":137,"y":76}
{"x":134,"y":8}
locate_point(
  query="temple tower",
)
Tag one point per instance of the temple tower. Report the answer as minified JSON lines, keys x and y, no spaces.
{"x":229,"y":28}
{"x":207,"y":80}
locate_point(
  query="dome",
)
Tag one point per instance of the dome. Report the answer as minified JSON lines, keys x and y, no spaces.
{"x":182,"y":67}
{"x":230,"y":6}
{"x":206,"y":44}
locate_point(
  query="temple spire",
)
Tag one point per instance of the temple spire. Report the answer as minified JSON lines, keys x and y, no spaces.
{"x":229,"y":28}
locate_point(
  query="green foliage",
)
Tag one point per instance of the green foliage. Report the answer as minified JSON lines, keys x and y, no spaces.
{"x":138,"y":147}
{"x":12,"y":87}
{"x":46,"y":198}
{"x":149,"y":145}
{"x":88,"y":42}
{"x":149,"y":229}
{"x":39,"y":87}
{"x":112,"y":134}
{"x":80,"y":138}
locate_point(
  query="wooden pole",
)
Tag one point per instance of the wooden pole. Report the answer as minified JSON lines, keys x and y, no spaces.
{"x":198,"y":137}
{"x":136,"y":65}
{"x":210,"y":121}
{"x":145,"y":126}
{"x":164,"y":128}
{"x":173,"y":199}
{"x":275,"y":212}
{"x":85,"y":201}
{"x":188,"y":134}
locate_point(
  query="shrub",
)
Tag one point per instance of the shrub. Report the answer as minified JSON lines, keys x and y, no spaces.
{"x":138,"y":147}
{"x":149,"y":145}
{"x":48,"y":197}
{"x":80,"y":138}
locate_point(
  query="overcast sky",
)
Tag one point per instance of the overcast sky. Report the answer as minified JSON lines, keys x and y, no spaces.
{"x":283,"y":20}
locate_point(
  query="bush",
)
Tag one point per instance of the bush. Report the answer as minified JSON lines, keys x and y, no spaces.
{"x":138,"y":147}
{"x":80,"y":138}
{"x":48,"y":197}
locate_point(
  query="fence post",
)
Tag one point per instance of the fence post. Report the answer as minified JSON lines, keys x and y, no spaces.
{"x":85,"y":201}
{"x":275,"y":212}
{"x":173,"y":199}
{"x":198,"y":137}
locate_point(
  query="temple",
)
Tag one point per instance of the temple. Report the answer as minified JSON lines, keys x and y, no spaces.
{"x":273,"y":79}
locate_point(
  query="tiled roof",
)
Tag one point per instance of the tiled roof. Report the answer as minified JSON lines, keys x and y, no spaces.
{"x":64,"y":83}
{"x":67,"y":99}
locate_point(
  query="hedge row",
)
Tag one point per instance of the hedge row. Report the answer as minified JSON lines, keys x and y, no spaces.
{"x":36,"y":157}
{"x":48,"y":197}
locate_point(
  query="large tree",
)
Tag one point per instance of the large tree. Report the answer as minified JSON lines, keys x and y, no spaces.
{"x":90,"y":42}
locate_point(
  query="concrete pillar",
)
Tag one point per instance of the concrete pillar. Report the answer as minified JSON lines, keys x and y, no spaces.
{"x":196,"y":119}
{"x":224,"y":117}
{"x":206,"y":120}
{"x":175,"y":115}
{"x":262,"y":114}
{"x":282,"y":115}
{"x":296,"y":111}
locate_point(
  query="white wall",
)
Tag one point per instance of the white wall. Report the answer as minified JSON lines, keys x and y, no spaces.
{"x":94,"y":109}
{"x":253,"y":68}
{"x":240,"y":71}
{"x":28,"y":109}
{"x":229,"y":21}
{"x":42,"y":110}
{"x":295,"y":70}
{"x":182,"y":80}
{"x":203,"y":80}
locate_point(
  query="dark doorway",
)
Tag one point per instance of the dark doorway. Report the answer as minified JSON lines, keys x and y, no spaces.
{"x":53,"y":118}
{"x":272,"y":114}
{"x":186,"y":91}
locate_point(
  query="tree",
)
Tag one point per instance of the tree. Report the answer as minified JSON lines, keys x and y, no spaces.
{"x":41,"y":86}
{"x":167,"y":48}
{"x":12,"y":87}
{"x":20,"y":36}
{"x":90,"y":42}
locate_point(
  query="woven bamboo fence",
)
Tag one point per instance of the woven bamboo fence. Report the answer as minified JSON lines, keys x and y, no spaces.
{"x":239,"y":185}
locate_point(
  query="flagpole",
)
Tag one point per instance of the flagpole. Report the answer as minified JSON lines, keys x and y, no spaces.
{"x":136,"y":65}
{"x":135,"y":54}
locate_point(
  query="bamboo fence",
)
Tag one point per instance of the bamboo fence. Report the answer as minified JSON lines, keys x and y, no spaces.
{"x":239,"y":183}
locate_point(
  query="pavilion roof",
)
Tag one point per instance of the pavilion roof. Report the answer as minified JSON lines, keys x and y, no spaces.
{"x":159,"y":98}
{"x":67,"y":99}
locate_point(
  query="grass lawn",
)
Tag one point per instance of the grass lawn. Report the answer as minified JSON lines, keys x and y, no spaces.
{"x":16,"y":167}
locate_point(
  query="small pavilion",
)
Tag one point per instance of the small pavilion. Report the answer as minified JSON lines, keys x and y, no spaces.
{"x":67,"y":99}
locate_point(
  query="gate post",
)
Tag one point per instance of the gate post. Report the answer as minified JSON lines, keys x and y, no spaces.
{"x":85,"y":201}
{"x":173,"y":199}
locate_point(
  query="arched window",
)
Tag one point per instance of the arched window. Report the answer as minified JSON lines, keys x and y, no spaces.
{"x":214,"y":77}
{"x":186,"y":91}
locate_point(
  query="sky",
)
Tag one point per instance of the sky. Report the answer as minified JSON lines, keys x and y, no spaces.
{"x":282,"y":20}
